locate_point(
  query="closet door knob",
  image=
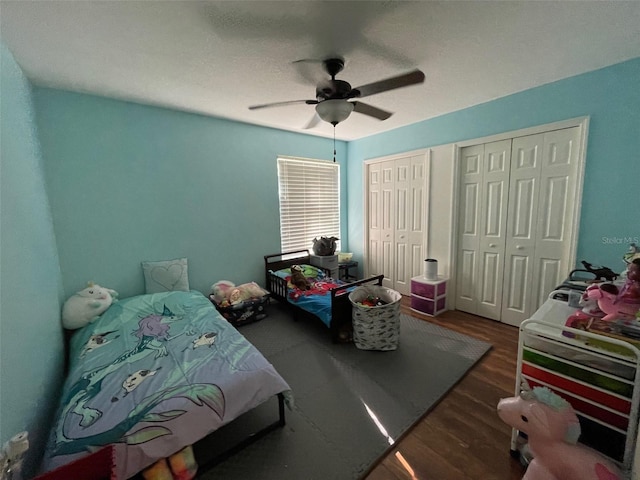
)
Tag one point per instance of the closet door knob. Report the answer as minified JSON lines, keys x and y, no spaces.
{"x":492,"y":245}
{"x":519,"y":247}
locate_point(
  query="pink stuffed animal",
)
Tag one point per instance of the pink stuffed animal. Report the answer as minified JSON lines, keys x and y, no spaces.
{"x":553,"y":429}
{"x":606,"y":294}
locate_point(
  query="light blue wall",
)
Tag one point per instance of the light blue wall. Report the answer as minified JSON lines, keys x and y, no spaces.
{"x":31,"y":345}
{"x":129,"y":183}
{"x":611,"y":97}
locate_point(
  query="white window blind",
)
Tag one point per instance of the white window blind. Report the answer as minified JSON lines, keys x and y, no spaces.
{"x":309,"y":201}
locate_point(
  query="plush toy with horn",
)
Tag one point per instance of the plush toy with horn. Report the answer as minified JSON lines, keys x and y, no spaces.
{"x":553,"y":429}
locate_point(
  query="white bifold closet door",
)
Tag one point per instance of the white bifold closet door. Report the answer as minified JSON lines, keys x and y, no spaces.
{"x":543,"y":189}
{"x":482,"y":223}
{"x":515,"y":223}
{"x":397,"y":220}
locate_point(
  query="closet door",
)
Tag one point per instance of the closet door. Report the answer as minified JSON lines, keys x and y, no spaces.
{"x":374,"y":219}
{"x":524,"y":192}
{"x":556,"y":217}
{"x":471,"y":164}
{"x":542,"y":192}
{"x":387,"y":216}
{"x":403,"y":203}
{"x":397,"y":220}
{"x":493,"y":218}
{"x":410,"y":230}
{"x":485,"y":186}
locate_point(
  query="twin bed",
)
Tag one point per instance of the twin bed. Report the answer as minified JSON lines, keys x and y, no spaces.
{"x":160,"y":372}
{"x":154,"y":374}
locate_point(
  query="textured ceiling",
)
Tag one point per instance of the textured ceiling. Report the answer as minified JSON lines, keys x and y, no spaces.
{"x":218,"y":58}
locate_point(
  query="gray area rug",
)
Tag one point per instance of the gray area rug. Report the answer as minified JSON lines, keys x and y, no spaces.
{"x":350,"y":404}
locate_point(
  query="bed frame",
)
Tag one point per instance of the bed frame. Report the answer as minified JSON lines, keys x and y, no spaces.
{"x":340,"y":304}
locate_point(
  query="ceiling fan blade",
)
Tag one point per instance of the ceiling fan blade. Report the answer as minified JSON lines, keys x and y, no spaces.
{"x":313,"y":121}
{"x":280,"y":104}
{"x":370,"y":110}
{"x":410,"y":78}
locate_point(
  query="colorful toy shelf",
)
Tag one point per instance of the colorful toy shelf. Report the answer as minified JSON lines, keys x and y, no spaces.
{"x":597,"y":374}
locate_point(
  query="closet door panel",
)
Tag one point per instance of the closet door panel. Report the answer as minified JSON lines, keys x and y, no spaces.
{"x":388,"y":222}
{"x":417,"y":218}
{"x":471,"y":165}
{"x":526,"y":164}
{"x":374,"y":257}
{"x":556,"y":212}
{"x":493,"y":217}
{"x":402,"y":214}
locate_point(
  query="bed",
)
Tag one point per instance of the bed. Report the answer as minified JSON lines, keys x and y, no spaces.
{"x":154,"y":374}
{"x":328,"y":301}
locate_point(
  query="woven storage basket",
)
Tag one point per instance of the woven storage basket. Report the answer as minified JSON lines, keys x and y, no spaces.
{"x":376,"y":328}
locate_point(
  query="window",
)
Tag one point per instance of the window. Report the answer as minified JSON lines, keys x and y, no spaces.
{"x":309,"y":201}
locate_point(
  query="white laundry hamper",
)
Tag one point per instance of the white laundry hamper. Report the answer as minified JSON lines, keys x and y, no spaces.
{"x":376,"y":328}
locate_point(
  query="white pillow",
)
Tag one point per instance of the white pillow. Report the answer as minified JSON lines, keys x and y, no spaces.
{"x":166,"y":275}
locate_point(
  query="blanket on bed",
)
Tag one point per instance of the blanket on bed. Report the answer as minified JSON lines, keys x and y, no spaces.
{"x":317,"y":299}
{"x":154,"y":374}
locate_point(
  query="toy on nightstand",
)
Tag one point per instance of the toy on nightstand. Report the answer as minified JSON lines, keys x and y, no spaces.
{"x":86,"y":305}
{"x":552,"y":430}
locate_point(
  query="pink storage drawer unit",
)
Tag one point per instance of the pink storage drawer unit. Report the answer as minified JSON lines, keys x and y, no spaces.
{"x":429,"y":296}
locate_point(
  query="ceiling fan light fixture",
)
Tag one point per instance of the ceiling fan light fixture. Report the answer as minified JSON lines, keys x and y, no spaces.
{"x":334,"y":111}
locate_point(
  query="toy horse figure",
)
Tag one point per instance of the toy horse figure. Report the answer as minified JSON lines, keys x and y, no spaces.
{"x":553,"y":430}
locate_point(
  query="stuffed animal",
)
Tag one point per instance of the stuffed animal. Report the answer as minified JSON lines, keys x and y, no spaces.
{"x":220,"y":290}
{"x":226,"y":293}
{"x":553,"y":429}
{"x":246,"y":291}
{"x":607,"y":295}
{"x":86,"y":305}
{"x":298,"y":279}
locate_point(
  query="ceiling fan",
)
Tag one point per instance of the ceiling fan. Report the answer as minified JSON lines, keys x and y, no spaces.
{"x":333,"y":96}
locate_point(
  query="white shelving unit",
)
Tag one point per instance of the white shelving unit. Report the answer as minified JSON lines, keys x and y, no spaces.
{"x":599,"y":375}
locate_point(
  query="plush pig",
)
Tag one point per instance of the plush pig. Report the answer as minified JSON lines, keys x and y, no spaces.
{"x":553,"y":430}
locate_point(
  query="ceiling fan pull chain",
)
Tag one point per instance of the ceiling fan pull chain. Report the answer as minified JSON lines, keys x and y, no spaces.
{"x":334,"y":144}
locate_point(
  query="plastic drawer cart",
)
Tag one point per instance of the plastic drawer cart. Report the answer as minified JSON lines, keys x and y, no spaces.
{"x":429,"y":296}
{"x":597,"y":374}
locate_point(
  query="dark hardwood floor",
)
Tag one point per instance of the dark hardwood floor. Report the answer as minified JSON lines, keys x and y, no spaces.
{"x":462,"y":436}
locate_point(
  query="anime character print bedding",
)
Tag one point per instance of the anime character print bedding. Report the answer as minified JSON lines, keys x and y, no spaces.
{"x":154,"y":374}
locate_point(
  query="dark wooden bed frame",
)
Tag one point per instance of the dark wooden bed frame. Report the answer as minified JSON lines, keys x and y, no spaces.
{"x":340,"y":304}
